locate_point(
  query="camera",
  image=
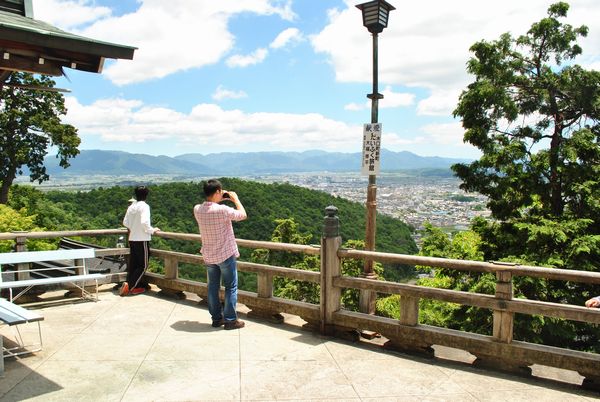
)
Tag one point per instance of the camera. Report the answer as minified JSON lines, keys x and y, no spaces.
{"x":226,"y":195}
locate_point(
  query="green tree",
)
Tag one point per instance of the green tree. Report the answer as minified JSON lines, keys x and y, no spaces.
{"x":535,"y":121}
{"x":13,"y":221}
{"x":534,"y":115}
{"x":30,"y":124}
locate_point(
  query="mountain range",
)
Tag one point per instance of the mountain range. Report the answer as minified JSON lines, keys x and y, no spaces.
{"x":117,"y":163}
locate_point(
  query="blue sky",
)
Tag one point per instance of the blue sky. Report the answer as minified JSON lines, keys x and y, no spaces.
{"x":286,"y":75}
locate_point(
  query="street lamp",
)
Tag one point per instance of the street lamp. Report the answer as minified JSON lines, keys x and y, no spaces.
{"x":375,"y":19}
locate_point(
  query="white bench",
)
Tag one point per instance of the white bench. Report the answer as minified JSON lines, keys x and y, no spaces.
{"x":24,"y":257}
{"x":13,"y":315}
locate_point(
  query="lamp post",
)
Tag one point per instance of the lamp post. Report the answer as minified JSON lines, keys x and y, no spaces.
{"x":375,"y":19}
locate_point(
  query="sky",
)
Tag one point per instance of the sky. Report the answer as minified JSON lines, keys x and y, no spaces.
{"x":213,"y":76}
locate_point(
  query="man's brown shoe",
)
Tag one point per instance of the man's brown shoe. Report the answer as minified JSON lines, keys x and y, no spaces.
{"x":237,"y":324}
{"x":217,"y":324}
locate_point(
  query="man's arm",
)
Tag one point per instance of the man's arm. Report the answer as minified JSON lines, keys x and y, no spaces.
{"x":145,"y":221}
{"x":238,"y":204}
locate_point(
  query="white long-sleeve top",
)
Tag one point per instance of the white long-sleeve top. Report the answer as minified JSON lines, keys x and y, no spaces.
{"x":137,"y":220}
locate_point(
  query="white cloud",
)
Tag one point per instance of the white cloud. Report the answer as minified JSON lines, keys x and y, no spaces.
{"x":221,"y":93}
{"x":390,"y":100}
{"x":393,"y":99}
{"x":355,"y":107}
{"x":69,"y":14}
{"x":256,"y":57}
{"x":210,"y":128}
{"x":171,"y":36}
{"x":285,"y":37}
{"x":430,"y":50}
{"x":444,"y":134}
{"x":440,"y":103}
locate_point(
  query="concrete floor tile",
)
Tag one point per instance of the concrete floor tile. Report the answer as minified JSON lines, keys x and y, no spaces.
{"x":261,"y":327}
{"x":461,"y":397}
{"x":14,"y":372}
{"x":400,"y":377}
{"x":526,"y":395}
{"x":341,"y":350}
{"x":478,"y":381}
{"x":175,"y":327}
{"x":305,"y":380}
{"x":74,"y":381}
{"x":93,"y":347}
{"x":185,"y":381}
{"x":199,"y":347}
{"x":301,"y":347}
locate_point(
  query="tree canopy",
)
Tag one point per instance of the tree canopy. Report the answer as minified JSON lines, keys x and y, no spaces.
{"x":29,"y":125}
{"x":534,"y":116}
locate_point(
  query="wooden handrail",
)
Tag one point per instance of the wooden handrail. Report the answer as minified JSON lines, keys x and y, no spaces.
{"x":477,"y":266}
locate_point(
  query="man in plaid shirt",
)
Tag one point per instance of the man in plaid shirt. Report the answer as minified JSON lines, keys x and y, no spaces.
{"x":220,"y":251}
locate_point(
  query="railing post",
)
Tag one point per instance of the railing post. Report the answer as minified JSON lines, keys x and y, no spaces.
{"x":171,"y":265}
{"x":409,"y":316}
{"x":502,"y":331}
{"x":503,"y":320}
{"x":409,"y":310}
{"x":331,"y":267}
{"x":264,"y":290}
{"x":21,"y":245}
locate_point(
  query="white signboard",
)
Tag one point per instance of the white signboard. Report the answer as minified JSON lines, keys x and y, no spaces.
{"x":371,"y":148}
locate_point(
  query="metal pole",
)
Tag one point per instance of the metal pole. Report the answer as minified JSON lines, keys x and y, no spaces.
{"x":367,"y":298}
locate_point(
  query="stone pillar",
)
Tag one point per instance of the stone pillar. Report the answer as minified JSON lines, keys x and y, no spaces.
{"x":503,"y":320}
{"x":502,"y":332}
{"x":21,"y":245}
{"x":331,"y":267}
{"x":409,"y":316}
{"x":171,"y":265}
{"x":264,"y":283}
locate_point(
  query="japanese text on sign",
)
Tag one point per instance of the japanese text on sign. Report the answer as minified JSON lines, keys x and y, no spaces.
{"x":371,"y":148}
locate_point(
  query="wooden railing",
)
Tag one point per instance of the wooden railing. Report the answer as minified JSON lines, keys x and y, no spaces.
{"x":498,"y":351}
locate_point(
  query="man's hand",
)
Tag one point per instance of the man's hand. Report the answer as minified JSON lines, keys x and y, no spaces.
{"x":238,"y":204}
{"x":594,"y":302}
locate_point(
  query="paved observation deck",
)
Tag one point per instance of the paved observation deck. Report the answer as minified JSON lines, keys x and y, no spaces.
{"x":150,"y":348}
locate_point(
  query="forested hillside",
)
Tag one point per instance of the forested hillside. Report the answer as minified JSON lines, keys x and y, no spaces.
{"x":172,"y":205}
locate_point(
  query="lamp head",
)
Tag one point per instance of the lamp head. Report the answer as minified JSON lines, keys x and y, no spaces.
{"x":375,"y":15}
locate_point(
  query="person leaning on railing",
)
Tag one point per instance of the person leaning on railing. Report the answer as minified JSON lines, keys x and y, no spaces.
{"x":137,"y":221}
{"x":593,"y":302}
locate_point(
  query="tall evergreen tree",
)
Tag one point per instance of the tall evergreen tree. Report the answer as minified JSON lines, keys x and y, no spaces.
{"x":29,"y":125}
{"x":534,"y":116}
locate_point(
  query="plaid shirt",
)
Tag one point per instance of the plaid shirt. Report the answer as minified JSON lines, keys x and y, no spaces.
{"x":214,"y":222}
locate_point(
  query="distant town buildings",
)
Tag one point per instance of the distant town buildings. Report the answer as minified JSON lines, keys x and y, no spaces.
{"x":413,"y":199}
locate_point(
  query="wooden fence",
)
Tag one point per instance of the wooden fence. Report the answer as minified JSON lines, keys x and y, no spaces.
{"x":498,"y":351}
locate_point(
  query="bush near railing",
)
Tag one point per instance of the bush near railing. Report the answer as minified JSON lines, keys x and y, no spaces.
{"x":498,"y":351}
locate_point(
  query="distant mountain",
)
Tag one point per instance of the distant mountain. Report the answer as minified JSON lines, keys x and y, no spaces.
{"x":313,"y":161}
{"x":117,"y":163}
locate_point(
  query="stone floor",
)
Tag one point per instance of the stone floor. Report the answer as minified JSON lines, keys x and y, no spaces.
{"x":149,"y":348}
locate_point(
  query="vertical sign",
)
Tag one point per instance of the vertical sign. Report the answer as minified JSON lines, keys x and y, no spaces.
{"x":371,"y":148}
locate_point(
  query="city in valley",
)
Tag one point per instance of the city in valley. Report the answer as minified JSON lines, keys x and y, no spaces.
{"x":410,"y":196}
